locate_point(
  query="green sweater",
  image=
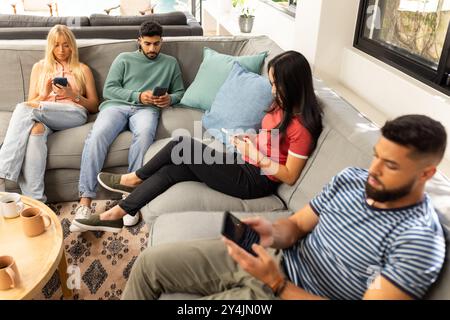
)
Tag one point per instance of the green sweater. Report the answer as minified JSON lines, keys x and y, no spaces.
{"x":132,"y":73}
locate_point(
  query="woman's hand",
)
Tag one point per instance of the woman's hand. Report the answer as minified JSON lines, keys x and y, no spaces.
{"x":63,"y":92}
{"x":246,"y":147}
{"x":47,"y":90}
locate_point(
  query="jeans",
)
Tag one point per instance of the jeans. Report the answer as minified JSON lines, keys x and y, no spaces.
{"x":201,"y":267}
{"x":241,"y":180}
{"x":23,"y":158}
{"x":142,"y":122}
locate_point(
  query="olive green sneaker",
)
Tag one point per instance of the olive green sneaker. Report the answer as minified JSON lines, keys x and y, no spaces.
{"x":111,"y":182}
{"x":95,"y":224}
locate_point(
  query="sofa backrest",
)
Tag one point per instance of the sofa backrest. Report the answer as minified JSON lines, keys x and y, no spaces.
{"x":31,"y":21}
{"x":347,"y":140}
{"x":97,"y":26}
{"x":169,"y":19}
{"x":17,"y":59}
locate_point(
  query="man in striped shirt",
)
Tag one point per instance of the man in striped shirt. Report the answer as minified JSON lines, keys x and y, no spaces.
{"x":370,"y":234}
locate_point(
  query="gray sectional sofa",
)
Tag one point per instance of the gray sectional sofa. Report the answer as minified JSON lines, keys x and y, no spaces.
{"x":13,"y":27}
{"x":190,"y":210}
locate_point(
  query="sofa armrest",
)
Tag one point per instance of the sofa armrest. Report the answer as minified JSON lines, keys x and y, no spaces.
{"x":170,"y":228}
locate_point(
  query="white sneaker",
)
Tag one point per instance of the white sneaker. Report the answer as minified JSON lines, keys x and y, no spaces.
{"x":129,"y":220}
{"x":82,"y":212}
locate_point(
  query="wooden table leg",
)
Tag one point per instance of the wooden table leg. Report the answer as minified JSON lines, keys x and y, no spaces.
{"x":62,"y":270}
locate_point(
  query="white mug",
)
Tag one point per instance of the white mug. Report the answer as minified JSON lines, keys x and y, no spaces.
{"x":11,"y":205}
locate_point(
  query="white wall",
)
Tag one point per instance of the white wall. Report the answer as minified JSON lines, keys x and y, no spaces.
{"x":324,"y":31}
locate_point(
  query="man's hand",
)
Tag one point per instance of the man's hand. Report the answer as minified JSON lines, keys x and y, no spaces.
{"x":263,"y":267}
{"x":162,"y":101}
{"x":263,"y":227}
{"x":147,"y":97}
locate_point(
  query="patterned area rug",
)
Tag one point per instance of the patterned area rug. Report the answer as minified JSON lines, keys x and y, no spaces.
{"x":99,"y":263}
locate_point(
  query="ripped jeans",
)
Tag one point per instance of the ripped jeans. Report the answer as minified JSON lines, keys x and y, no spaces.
{"x":23,"y":157}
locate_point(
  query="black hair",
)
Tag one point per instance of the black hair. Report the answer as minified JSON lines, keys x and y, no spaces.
{"x":150,"y":29}
{"x":427,"y":137}
{"x":295,"y":93}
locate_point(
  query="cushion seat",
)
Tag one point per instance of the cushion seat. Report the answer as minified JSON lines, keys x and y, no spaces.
{"x":197,"y":196}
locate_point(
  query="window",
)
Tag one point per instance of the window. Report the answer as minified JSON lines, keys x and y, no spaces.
{"x":287,"y":6}
{"x":411,"y":35}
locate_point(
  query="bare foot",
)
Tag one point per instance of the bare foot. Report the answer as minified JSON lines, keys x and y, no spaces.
{"x":130,"y":180}
{"x":114,"y":213}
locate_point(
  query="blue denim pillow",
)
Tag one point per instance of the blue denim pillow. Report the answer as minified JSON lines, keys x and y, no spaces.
{"x":240,"y":104}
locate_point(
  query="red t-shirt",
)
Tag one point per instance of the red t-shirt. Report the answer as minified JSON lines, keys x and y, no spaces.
{"x":296,"y":139}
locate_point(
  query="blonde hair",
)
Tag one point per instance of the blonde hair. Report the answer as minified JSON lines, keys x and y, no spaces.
{"x":50,"y":63}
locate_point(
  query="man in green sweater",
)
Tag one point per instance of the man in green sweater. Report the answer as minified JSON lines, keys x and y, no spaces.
{"x":130,"y":103}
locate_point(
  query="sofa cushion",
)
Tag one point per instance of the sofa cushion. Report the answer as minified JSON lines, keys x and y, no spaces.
{"x":179,"y":120}
{"x":171,"y":18}
{"x":213,"y":72}
{"x":65,"y":148}
{"x":193,"y":195}
{"x":240,"y":103}
{"x":30,"y":21}
{"x":171,"y":228}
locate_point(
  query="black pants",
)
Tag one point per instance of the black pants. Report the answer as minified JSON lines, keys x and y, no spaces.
{"x":240,"y":180}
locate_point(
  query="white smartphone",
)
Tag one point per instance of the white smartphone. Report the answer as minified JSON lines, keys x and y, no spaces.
{"x":225,"y":131}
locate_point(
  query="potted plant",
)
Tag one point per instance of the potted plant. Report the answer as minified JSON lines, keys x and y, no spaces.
{"x":246,"y":17}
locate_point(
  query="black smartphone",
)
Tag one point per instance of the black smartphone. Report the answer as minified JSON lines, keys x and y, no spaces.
{"x":159,"y":91}
{"x":239,"y":232}
{"x":60,"y":81}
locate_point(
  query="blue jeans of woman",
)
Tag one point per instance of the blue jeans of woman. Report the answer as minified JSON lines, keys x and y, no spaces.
{"x":23,"y":157}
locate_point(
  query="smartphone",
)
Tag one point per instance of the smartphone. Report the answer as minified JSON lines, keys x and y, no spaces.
{"x":60,"y":81}
{"x":239,"y":232}
{"x":159,"y":91}
{"x":224,"y":131}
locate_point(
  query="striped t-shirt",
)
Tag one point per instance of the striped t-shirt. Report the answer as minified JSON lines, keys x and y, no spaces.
{"x":353,"y":243}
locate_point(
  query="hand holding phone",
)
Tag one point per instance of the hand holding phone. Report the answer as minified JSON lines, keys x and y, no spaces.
{"x":60,"y":81}
{"x":159,"y":91}
{"x":239,"y":232}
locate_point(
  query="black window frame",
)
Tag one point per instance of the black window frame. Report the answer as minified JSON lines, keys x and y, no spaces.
{"x":401,"y":59}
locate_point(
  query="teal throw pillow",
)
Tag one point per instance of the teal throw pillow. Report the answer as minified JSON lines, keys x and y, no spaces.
{"x":212,"y":73}
{"x":240,"y":104}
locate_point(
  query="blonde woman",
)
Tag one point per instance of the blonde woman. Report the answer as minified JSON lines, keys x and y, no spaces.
{"x":51,"y":106}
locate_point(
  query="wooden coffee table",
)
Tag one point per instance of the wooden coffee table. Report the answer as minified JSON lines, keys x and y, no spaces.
{"x":36,"y":258}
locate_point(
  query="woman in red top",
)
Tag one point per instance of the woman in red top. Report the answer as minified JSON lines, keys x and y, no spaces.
{"x":276,"y":155}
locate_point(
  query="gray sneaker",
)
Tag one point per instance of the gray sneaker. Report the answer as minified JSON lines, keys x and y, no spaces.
{"x":95,"y":224}
{"x":111,"y":182}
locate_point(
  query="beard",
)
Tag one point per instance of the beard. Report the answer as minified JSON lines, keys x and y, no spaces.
{"x":385,"y":195}
{"x":151,"y":55}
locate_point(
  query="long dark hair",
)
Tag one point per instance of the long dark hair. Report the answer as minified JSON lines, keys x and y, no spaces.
{"x":295,"y":93}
